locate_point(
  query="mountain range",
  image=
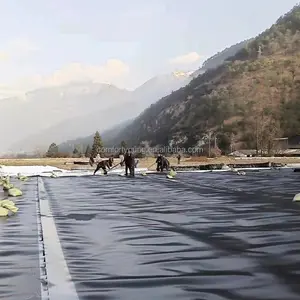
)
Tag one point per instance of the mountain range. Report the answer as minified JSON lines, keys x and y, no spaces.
{"x":166,"y":109}
{"x":246,"y":100}
{"x":76,"y":109}
{"x":115,"y":134}
{"x":245,"y":95}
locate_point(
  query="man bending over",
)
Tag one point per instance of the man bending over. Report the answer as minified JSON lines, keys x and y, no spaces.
{"x":102,"y":165}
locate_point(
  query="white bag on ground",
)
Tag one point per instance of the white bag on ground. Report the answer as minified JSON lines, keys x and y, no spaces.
{"x":14,"y":192}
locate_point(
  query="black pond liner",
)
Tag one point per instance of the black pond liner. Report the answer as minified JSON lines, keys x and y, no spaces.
{"x":202,"y":236}
{"x":19,"y":248}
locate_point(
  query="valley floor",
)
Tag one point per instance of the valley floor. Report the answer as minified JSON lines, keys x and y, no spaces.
{"x":67,"y":163}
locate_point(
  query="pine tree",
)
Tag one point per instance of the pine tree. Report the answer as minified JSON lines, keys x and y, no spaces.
{"x":52,"y":150}
{"x":97,"y":145}
{"x":88,"y":151}
{"x":77,"y":151}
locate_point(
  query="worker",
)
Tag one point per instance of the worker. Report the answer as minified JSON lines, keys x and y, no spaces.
{"x":103,"y":164}
{"x":98,"y":158}
{"x":111,"y":161}
{"x":129,"y":162}
{"x":92,"y":161}
{"x":121,"y":156}
{"x":158,"y":162}
{"x":162,"y":163}
{"x":136,"y":162}
{"x":165,"y":164}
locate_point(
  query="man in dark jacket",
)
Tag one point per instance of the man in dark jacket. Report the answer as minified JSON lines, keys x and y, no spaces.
{"x":91,"y":161}
{"x":162,"y":163}
{"x":158,"y":162}
{"x":129,"y":162}
{"x":111,"y":161}
{"x":178,"y":159}
{"x":103,"y":164}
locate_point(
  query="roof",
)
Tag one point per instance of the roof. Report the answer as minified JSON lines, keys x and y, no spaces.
{"x":281,"y":139}
{"x":244,"y":152}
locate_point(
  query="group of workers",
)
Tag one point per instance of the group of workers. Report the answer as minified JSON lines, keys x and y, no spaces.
{"x":130,"y":163}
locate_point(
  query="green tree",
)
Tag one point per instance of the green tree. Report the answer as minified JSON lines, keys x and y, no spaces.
{"x":97,"y":145}
{"x":224,"y":143}
{"x":52,"y":150}
{"x":88,"y":151}
{"x":77,"y":151}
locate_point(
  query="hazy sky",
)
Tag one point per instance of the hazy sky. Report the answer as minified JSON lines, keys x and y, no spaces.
{"x":124,"y":42}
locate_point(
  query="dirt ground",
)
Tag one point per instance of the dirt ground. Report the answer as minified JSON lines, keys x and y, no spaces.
{"x":67,"y":163}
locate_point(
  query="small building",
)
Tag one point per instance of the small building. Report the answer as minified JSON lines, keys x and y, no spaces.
{"x":281,"y":144}
{"x":243,"y":153}
{"x":285,"y":143}
{"x":288,"y":153}
{"x":237,"y":154}
{"x":294,"y":142}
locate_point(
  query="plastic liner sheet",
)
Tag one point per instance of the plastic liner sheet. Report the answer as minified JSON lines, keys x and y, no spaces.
{"x":19,"y":250}
{"x":201,"y":236}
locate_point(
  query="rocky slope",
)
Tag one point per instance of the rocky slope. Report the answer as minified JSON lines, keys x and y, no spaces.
{"x":246,"y":102}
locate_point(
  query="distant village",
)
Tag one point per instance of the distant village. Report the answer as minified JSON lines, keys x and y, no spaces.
{"x":283,"y":147}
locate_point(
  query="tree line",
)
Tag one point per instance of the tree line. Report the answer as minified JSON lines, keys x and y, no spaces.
{"x":78,"y":152}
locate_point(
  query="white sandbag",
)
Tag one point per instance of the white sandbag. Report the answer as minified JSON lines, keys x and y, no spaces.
{"x":14,"y":192}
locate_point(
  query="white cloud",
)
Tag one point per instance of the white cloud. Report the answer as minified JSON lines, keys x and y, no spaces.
{"x":4,"y":56}
{"x":22,"y":45}
{"x":112,"y":71}
{"x":185,"y":59}
{"x":17,"y":48}
{"x":106,"y":73}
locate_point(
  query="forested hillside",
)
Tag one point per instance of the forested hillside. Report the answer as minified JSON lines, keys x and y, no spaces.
{"x":248,"y":101}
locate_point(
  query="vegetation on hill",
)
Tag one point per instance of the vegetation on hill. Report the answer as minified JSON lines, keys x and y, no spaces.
{"x":222,"y":56}
{"x":246,"y":102}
